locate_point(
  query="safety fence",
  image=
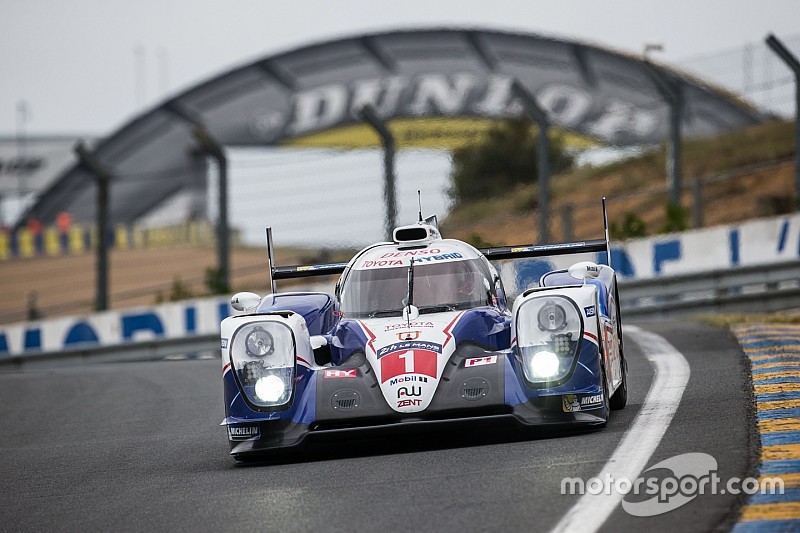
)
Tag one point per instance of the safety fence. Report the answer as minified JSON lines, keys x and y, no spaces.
{"x":190,"y":328}
{"x":79,"y":239}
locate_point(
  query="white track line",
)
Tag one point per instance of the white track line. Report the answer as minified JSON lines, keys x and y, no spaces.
{"x":641,"y":439}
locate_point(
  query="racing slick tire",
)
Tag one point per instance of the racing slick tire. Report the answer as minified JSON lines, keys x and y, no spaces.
{"x":620,"y":398}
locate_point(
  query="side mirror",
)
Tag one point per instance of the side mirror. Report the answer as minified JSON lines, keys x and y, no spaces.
{"x":584,"y":270}
{"x":318,"y":341}
{"x":410,"y":312}
{"x":245,"y":301}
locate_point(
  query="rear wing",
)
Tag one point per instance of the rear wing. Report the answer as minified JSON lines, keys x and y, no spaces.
{"x":493,"y":254}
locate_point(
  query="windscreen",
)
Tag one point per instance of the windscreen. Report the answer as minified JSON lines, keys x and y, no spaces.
{"x":437,"y":287}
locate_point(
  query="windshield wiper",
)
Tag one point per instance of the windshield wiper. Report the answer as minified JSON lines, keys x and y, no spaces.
{"x":384,"y":312}
{"x":438,"y":308}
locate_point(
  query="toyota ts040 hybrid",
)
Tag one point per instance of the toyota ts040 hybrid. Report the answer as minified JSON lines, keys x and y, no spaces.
{"x":419,"y":333}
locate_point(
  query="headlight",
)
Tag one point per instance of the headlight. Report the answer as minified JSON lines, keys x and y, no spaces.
{"x":270,"y":388}
{"x":263,"y":357}
{"x":259,"y":342}
{"x":544,"y":364}
{"x":549,"y":329}
{"x":552,"y":317}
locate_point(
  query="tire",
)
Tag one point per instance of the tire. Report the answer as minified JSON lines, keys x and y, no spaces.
{"x":620,"y":398}
{"x":604,"y":384}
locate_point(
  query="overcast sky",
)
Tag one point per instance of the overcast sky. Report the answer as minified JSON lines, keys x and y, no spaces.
{"x":75,"y":65}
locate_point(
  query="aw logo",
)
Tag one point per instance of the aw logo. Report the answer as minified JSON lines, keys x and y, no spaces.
{"x":404,"y":392}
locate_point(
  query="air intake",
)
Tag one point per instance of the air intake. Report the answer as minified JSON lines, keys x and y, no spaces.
{"x":474,"y":389}
{"x":418,"y":234}
{"x":345,"y":400}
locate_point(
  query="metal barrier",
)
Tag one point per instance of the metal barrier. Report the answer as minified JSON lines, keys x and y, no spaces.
{"x":756,"y":289}
{"x":764,"y":288}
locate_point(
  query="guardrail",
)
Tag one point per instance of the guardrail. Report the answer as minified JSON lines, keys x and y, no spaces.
{"x":756,"y":289}
{"x":764,"y":288}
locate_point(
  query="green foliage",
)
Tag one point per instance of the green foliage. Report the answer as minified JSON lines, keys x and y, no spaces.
{"x":505,"y":158}
{"x":214,"y":282}
{"x":632,"y":226}
{"x":179,"y":290}
{"x":477,"y":241}
{"x":676,"y":218}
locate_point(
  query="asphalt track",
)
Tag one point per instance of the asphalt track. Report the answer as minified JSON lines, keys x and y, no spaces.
{"x":138,"y":447}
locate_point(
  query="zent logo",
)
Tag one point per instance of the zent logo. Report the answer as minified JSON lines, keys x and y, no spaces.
{"x":351,"y":373}
{"x":408,"y":403}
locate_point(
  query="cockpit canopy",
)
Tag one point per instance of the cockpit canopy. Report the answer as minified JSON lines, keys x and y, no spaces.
{"x":438,"y":286}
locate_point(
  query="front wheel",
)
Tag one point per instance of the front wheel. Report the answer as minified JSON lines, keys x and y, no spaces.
{"x":620,"y":398}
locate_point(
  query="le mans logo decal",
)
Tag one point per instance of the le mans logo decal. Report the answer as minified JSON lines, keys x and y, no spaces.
{"x":224,"y":343}
{"x":572,"y":403}
{"x":589,"y":311}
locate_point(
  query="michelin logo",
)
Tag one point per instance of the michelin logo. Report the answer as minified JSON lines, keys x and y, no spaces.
{"x":573,"y":403}
{"x":243,"y":432}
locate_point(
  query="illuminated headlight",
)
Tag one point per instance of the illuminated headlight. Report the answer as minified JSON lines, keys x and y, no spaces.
{"x":263,"y":356}
{"x":270,"y":388}
{"x":544,"y":365}
{"x":549,"y":329}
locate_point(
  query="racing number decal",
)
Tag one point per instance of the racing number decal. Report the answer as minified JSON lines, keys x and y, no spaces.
{"x":408,"y":362}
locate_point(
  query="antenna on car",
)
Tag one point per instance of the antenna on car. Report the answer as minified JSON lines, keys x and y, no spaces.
{"x":605,"y":225}
{"x":419,"y":199}
{"x":407,"y":312}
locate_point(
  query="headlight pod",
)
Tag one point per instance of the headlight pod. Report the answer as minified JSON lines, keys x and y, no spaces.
{"x":263,"y":358}
{"x":549,"y":329}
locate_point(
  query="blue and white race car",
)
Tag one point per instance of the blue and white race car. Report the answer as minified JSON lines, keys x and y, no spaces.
{"x":419,"y":332}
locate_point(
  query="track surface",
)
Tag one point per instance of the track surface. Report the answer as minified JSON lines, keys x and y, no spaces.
{"x":138,"y":447}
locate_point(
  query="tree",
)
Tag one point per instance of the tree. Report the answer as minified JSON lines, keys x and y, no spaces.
{"x":506,"y":157}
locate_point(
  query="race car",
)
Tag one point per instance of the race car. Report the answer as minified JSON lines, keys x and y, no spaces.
{"x":419,"y":333}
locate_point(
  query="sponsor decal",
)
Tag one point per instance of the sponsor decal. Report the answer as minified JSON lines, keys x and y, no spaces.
{"x":243,"y":432}
{"x":480,"y":361}
{"x":224,"y":343}
{"x":408,"y":362}
{"x":408,"y":403}
{"x":408,"y":335}
{"x":411,"y":253}
{"x":420,"y":324}
{"x":573,"y":403}
{"x":452,"y":94}
{"x":589,"y":311}
{"x":408,"y":379}
{"x":377,"y":263}
{"x":409,"y":391}
{"x":410,"y":345}
{"x":350,"y":373}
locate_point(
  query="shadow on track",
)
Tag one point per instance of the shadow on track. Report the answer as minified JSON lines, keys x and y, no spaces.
{"x":407,"y":442}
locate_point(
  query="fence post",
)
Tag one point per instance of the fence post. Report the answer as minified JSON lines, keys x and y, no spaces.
{"x":102,"y":179}
{"x":536,"y":112}
{"x":368,"y":115}
{"x":791,"y":62}
{"x":697,"y":202}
